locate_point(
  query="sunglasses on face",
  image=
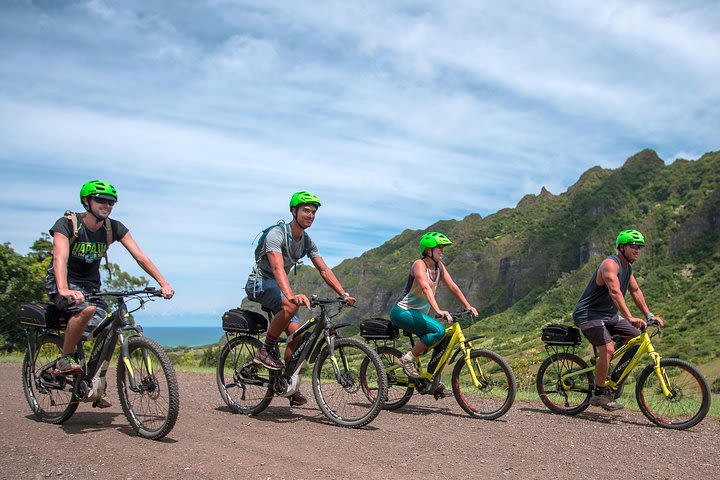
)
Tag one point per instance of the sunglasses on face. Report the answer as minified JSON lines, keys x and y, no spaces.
{"x":105,"y":201}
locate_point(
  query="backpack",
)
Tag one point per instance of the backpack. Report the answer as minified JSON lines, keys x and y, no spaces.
{"x":73,"y":217}
{"x":286,"y":239}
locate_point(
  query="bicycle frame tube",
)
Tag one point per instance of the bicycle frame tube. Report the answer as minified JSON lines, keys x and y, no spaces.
{"x":645,"y":348}
{"x":456,"y":337}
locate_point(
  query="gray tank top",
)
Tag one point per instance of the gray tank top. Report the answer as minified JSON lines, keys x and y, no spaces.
{"x":595,"y":302}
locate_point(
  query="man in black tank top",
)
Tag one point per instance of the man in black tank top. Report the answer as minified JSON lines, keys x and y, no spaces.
{"x":602,"y":312}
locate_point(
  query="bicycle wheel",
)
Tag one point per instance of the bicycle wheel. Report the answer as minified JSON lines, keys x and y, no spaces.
{"x":342,"y":397}
{"x":151,"y":408}
{"x":688,"y":403}
{"x":244,"y":386}
{"x":399,"y":386}
{"x":574,"y":396}
{"x":50,"y":396}
{"x":496,"y":392}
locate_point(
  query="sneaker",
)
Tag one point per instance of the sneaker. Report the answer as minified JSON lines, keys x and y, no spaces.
{"x":269,"y":359}
{"x":101,"y":403}
{"x":441,"y":392}
{"x":408,"y":366}
{"x":606,"y":400}
{"x":297,"y":399}
{"x":66,"y":366}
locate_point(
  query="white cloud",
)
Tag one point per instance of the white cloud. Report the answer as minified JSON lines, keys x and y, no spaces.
{"x":209,"y":115}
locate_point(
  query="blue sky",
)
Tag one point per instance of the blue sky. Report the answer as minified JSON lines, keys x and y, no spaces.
{"x":207,"y":115}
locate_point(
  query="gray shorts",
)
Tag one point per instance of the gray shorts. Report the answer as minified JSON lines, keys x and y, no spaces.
{"x":101,"y":308}
{"x":600,"y":331}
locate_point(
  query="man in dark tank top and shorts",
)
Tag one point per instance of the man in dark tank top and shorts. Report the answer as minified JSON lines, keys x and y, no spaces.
{"x":602,"y":312}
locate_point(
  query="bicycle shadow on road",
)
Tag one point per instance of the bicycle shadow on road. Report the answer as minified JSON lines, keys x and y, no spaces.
{"x":425,"y":410}
{"x":285,"y":414}
{"x":83,"y":423}
{"x":607,"y":418}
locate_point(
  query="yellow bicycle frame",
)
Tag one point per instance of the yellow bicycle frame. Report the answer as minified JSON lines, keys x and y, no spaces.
{"x":457,"y":337}
{"x":645,"y":348}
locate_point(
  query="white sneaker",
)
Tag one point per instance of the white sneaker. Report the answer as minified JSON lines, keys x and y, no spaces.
{"x":408,"y":366}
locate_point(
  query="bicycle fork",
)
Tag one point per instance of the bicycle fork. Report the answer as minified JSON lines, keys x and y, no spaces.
{"x":341,"y":379}
{"x":129,"y":371}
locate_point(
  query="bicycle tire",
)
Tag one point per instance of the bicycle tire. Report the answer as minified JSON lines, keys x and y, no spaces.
{"x":691,"y":395}
{"x":347,"y":405}
{"x":48,"y":404}
{"x":152,"y":411}
{"x":557,"y":399}
{"x":398,"y":383}
{"x":496,"y":393}
{"x":236,"y":363}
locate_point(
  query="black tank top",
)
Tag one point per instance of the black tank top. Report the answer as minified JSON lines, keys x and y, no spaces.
{"x":595,"y":302}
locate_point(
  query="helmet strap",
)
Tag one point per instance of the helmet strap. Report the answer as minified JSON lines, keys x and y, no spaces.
{"x":622,"y":252}
{"x":89,"y":209}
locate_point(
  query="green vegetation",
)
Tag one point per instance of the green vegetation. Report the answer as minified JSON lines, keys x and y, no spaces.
{"x":525,"y":267}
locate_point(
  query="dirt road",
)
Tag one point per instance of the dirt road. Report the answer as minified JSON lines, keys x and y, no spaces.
{"x":435,"y":439}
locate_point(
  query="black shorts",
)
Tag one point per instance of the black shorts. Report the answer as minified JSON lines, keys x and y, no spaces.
{"x":600,"y":332}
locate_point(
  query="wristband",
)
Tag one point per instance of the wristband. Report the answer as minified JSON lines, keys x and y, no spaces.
{"x":346,"y":294}
{"x":649,"y":316}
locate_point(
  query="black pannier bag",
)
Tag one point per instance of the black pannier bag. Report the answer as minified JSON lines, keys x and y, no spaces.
{"x":559,"y":334}
{"x":244,"y":321}
{"x":41,"y":315}
{"x":378,"y":329}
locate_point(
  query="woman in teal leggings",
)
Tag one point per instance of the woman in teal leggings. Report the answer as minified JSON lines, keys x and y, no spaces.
{"x":411,"y":311}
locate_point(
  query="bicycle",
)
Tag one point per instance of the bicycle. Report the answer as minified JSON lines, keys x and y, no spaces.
{"x":671,"y":393}
{"x":248,"y":388}
{"x":483,"y":383}
{"x":146,"y":383}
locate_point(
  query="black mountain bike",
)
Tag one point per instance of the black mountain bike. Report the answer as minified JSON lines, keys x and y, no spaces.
{"x":146,"y":383}
{"x":248,"y":388}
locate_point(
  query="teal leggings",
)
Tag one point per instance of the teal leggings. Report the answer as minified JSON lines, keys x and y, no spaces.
{"x":428,"y":329}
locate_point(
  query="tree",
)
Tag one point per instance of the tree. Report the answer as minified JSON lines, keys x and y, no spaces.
{"x":22,"y":280}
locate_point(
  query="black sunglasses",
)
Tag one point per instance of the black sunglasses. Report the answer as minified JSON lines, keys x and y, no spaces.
{"x":106,"y":201}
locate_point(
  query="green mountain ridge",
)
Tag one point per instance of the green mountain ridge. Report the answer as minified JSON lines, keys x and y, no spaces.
{"x":526,"y":266}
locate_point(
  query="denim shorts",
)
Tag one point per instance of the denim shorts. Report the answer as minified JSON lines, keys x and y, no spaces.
{"x":266,"y":292}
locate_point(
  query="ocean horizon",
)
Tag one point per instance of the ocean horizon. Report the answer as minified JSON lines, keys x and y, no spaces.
{"x":184,"y":336}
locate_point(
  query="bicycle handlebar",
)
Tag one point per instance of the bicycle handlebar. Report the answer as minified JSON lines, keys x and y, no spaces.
{"x":316,"y":301}
{"x":455,"y":315}
{"x":150,"y":291}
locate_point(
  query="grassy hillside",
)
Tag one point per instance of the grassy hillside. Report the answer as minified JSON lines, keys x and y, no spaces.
{"x":526,"y":266}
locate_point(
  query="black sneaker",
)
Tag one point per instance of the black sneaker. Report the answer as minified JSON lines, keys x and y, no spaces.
{"x":441,"y":392}
{"x":269,"y":359}
{"x":101,"y":403}
{"x":66,"y":366}
{"x":297,"y":399}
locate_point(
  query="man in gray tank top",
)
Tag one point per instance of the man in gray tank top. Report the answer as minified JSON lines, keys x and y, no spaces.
{"x":602,"y":312}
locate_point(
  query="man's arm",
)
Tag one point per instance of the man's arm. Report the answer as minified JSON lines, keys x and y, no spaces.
{"x":327,"y":274}
{"x":146,"y":264}
{"x":61,"y":252}
{"x":608,"y":273}
{"x":639,"y":300}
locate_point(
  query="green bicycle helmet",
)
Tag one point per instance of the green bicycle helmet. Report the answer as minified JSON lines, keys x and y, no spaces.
{"x":98,"y":189}
{"x":632,"y":237}
{"x":303,"y":197}
{"x":432,"y":240}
